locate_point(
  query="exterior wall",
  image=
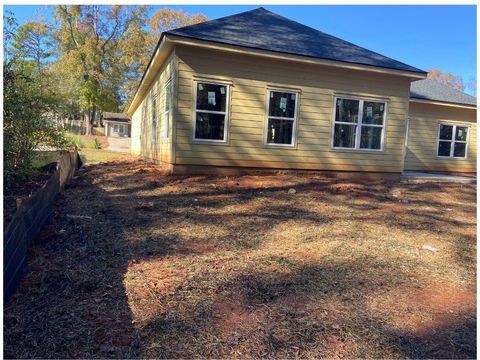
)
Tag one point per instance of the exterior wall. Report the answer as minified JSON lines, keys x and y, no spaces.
{"x":109,"y":129}
{"x":250,"y":77}
{"x":146,"y":140}
{"x":422,"y":143}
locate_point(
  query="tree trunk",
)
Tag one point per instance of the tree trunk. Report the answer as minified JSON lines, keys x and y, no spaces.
{"x":88,"y":124}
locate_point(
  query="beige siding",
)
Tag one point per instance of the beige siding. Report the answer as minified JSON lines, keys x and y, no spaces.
{"x":250,"y":77}
{"x":146,"y":140}
{"x":423,"y":138}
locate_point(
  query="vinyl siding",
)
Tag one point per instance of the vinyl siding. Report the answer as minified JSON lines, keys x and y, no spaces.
{"x":147,"y":141}
{"x":423,"y":138}
{"x":250,"y":77}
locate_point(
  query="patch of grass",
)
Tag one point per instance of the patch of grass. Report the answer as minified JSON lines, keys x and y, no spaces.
{"x":75,"y":140}
{"x":91,"y":156}
{"x":85,"y":142}
{"x":43,"y":158}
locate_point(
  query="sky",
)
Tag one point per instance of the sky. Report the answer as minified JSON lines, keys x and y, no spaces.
{"x":428,"y":37}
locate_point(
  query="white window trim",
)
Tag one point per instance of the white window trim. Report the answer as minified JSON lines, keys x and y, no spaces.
{"x":294,"y":119}
{"x":453,"y":141}
{"x":166,"y":114}
{"x":359,"y":124}
{"x":226,"y":112}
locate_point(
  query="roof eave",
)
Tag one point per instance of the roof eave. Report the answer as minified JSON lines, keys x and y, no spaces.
{"x":443,"y":103}
{"x":180,"y":39}
{"x":169,"y":39}
{"x":163,"y":43}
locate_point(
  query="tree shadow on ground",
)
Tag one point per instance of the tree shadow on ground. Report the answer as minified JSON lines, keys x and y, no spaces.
{"x":308,"y":310}
{"x":190,"y":276}
{"x":73,"y":303}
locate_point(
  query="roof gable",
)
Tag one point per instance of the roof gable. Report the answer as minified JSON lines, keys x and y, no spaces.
{"x":430,"y":89}
{"x":262,"y":29}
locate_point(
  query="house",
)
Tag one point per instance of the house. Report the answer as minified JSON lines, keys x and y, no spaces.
{"x":257,"y":90}
{"x":116,"y":124}
{"x":442,"y":129}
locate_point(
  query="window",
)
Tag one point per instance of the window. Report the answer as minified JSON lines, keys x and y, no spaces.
{"x":282,"y":113}
{"x":154,"y":109}
{"x":115,"y":128}
{"x":452,"y":141}
{"x":168,"y":106}
{"x":211,"y":109}
{"x":358,"y":124}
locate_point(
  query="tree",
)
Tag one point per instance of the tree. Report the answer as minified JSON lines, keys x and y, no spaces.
{"x":33,"y":41}
{"x":89,"y":40}
{"x":455,"y":81}
{"x":140,"y":44}
{"x":472,"y":85}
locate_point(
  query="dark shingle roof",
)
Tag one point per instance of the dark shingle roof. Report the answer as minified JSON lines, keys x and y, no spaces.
{"x":262,"y":29}
{"x":429,"y":89}
{"x":111,"y":116}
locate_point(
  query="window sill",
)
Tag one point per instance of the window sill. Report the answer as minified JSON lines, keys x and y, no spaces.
{"x":210,"y":142}
{"x":280,"y":146}
{"x":451,"y":158}
{"x":381,"y":151}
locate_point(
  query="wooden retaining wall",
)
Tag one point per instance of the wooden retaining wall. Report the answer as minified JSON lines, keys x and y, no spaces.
{"x":28,"y":221}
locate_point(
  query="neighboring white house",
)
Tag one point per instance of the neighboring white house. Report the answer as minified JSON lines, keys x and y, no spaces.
{"x":116,"y":124}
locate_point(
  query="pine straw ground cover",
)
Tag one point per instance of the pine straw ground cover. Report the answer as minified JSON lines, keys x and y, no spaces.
{"x":241,"y":267}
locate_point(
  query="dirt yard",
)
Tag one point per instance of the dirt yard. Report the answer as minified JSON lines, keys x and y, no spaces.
{"x":245,"y":267}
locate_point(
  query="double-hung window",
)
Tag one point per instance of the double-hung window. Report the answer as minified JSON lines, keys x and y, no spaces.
{"x":452,"y":141}
{"x":282,"y":115}
{"x":167,"y":108}
{"x":211,"y":111}
{"x":359,"y":124}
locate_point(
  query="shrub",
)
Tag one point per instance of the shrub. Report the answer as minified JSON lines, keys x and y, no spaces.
{"x":26,"y":123}
{"x":75,"y":140}
{"x":96,"y":144}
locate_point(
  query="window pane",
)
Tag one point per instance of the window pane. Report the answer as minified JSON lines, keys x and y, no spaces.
{"x":347,"y":110}
{"x":282,"y":104}
{"x":168,"y":96}
{"x":154,"y":109}
{"x":459,"y":149}
{"x":166,"y":124}
{"x":211,"y":97}
{"x":373,"y":112}
{"x":446,"y":132}
{"x":344,"y":136}
{"x":444,"y":148}
{"x":280,"y":131}
{"x":461,"y":133}
{"x":210,"y":126}
{"x":371,"y":137}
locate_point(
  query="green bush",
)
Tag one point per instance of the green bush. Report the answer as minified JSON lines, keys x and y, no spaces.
{"x":75,"y":140}
{"x":26,"y":122}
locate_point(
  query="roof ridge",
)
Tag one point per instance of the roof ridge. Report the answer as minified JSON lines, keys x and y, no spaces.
{"x":333,"y":36}
{"x":219,"y":18}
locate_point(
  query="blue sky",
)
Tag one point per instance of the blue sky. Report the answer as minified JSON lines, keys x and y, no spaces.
{"x":430,"y":36}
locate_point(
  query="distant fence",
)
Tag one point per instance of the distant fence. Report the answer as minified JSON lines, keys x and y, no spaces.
{"x":78,"y":127}
{"x":32,"y":214}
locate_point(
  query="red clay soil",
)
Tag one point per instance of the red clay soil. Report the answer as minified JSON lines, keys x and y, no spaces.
{"x":241,"y":267}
